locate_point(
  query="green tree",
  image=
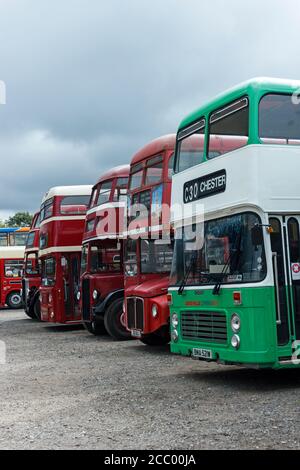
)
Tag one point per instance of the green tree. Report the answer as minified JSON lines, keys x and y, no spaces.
{"x":20,"y":219}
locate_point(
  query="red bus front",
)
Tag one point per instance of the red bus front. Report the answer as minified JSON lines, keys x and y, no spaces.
{"x":11,"y":266}
{"x":149,"y":248}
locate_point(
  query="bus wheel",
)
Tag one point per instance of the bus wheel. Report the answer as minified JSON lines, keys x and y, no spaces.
{"x":30,"y":313}
{"x":113,"y":323}
{"x":96,"y":328}
{"x":14,"y":300}
{"x":155,"y":339}
{"x":37,"y":309}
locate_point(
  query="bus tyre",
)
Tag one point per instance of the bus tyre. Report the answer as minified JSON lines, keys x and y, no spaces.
{"x":30,"y":313}
{"x":14,"y":300}
{"x":113,"y":323}
{"x":37,"y":309}
{"x":155,"y":339}
{"x":96,"y":328}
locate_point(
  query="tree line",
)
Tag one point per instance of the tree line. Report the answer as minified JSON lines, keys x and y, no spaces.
{"x":20,"y":219}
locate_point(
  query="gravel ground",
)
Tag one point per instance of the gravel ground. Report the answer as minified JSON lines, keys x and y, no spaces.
{"x":63,"y":388}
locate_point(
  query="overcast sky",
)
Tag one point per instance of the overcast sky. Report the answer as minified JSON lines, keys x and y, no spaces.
{"x":91,"y":81}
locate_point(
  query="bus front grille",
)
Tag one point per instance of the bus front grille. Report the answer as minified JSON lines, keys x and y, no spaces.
{"x":209,"y":327}
{"x":135,"y":313}
{"x":86,"y":303}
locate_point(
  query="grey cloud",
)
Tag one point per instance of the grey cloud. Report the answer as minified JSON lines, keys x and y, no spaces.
{"x":88,"y":83}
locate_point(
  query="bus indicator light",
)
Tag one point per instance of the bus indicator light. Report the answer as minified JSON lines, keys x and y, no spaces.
{"x":237,"y":298}
{"x":169,"y":299}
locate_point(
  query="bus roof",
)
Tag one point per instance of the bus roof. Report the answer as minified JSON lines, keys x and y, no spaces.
{"x":116,"y":172}
{"x":166,"y":142}
{"x":255,"y":86}
{"x":81,"y":190}
{"x":14,"y":229}
{"x":12,"y":252}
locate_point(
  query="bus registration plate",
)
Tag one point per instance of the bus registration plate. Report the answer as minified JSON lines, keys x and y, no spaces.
{"x":202,"y":353}
{"x":136,"y":333}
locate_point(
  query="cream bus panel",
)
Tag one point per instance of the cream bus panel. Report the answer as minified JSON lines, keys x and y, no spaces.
{"x":12,"y":252}
{"x":265,"y":176}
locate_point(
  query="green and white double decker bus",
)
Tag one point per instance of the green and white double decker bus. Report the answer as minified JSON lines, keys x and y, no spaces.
{"x":235,"y":285}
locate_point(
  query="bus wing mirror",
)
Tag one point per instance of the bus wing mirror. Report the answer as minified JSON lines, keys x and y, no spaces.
{"x":257,"y":235}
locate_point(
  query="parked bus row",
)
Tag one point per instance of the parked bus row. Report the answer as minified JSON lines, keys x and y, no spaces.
{"x":219,"y":277}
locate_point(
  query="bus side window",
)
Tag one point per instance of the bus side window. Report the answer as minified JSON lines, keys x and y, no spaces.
{"x":3,"y":239}
{"x":229,"y":128}
{"x":171,"y":166}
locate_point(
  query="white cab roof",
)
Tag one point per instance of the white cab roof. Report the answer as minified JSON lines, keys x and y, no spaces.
{"x":84,"y":190}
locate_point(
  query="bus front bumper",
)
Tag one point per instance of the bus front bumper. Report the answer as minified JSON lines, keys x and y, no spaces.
{"x":226,"y":355}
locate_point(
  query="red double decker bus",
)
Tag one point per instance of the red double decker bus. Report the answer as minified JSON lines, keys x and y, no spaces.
{"x":149,"y":247}
{"x":31,"y":274}
{"x":102,"y":277}
{"x":11,"y":267}
{"x":12,"y":247}
{"x":62,"y":218}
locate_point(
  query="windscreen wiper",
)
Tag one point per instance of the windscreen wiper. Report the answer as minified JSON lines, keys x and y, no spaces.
{"x":188,"y":272}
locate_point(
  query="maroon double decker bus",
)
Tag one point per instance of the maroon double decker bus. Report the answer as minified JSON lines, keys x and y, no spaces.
{"x":102,"y":278}
{"x":62,"y":220}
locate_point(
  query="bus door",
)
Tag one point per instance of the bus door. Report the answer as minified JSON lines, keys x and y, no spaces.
{"x":66,"y":269}
{"x":285,"y":245}
{"x":71,"y":286}
{"x":75,"y":284}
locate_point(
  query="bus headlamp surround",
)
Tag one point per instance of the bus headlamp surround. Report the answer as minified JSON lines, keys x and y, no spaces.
{"x":175,"y":321}
{"x":154,"y":310}
{"x":235,"y":323}
{"x":95,"y":294}
{"x":235,"y":342}
{"x":174,"y":336}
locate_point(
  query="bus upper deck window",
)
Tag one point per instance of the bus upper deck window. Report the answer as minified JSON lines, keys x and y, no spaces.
{"x":104,"y":193}
{"x":229,"y":128}
{"x":190,"y":150}
{"x":93,"y":198}
{"x":47,"y":209}
{"x":136,"y":178}
{"x":120,"y":193}
{"x":4,"y":239}
{"x":74,"y":205}
{"x":279,"y":120}
{"x":171,"y":166}
{"x":19,"y":239}
{"x":154,"y":170}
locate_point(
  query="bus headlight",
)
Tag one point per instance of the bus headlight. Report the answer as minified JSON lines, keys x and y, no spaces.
{"x":235,"y":342}
{"x":235,"y":323}
{"x":174,"y":336}
{"x":175,"y":321}
{"x":95,"y":294}
{"x":78,"y":295}
{"x":154,"y":311}
{"x":50,"y":299}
